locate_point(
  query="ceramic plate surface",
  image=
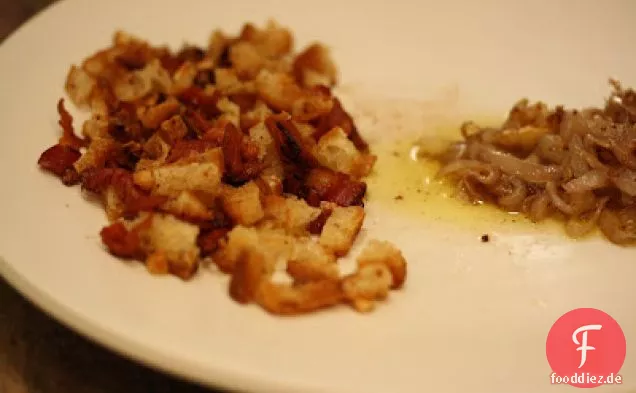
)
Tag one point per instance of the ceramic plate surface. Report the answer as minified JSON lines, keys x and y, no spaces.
{"x":473,"y":316}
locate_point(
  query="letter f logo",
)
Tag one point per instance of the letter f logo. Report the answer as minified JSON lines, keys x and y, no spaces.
{"x":583,"y":344}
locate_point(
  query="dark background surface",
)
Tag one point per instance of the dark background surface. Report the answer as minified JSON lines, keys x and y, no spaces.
{"x":37,"y":354}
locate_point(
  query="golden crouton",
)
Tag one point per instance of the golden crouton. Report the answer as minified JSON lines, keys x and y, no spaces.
{"x":96,"y":154}
{"x":246,"y":59}
{"x":132,"y":86}
{"x":176,"y":239}
{"x":261,"y":137}
{"x":312,"y":105}
{"x":173,"y":129}
{"x":188,"y":174}
{"x":183,"y":77}
{"x":157,"y":263}
{"x":314,"y":67}
{"x":259,"y":112}
{"x":137,"y":84}
{"x":311,"y":262}
{"x":371,"y":282}
{"x":274,"y":244}
{"x":383,"y":252}
{"x":113,"y":204}
{"x":95,"y":127}
{"x":335,"y":151}
{"x":278,"y":90}
{"x":305,"y":129}
{"x":341,"y":228}
{"x":227,"y":82}
{"x":243,"y":204}
{"x":79,"y":86}
{"x":289,"y":213}
{"x":247,"y":275}
{"x":284,"y":299}
{"x":230,"y":111}
{"x":153,"y":117}
{"x":274,"y":41}
{"x":216,"y":45}
{"x":187,"y":205}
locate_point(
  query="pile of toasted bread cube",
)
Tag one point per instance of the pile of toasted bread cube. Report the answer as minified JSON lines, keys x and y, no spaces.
{"x":237,"y":154}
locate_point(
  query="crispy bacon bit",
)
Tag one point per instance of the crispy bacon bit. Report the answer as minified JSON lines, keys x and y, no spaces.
{"x":326,"y":185}
{"x":315,"y":227}
{"x":124,"y":243}
{"x":196,"y":122}
{"x":244,"y":101}
{"x":238,"y":169}
{"x":70,"y":177}
{"x":68,"y":137}
{"x":123,"y":125}
{"x":126,"y":156}
{"x":190,"y":53}
{"x":133,"y":199}
{"x":184,"y":148}
{"x":57,"y":159}
{"x":289,"y":142}
{"x":120,"y":241}
{"x":214,"y":135}
{"x":208,"y":241}
{"x":196,"y":98}
{"x":170,"y":62}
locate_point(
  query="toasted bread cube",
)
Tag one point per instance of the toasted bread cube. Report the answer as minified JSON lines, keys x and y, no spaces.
{"x":96,"y":154}
{"x":173,"y":129}
{"x":284,"y":299}
{"x":384,"y":252}
{"x":371,"y":282}
{"x":243,"y":204}
{"x":156,"y":148}
{"x":200,"y":172}
{"x":274,"y":41}
{"x":113,"y":204}
{"x":261,"y":137}
{"x":314,"y":66}
{"x":184,"y":77}
{"x":79,"y":86}
{"x":216,"y":45}
{"x":274,"y":244}
{"x":153,"y":117}
{"x":157,"y":263}
{"x":246,"y":59}
{"x":176,"y":239}
{"x":335,"y":151}
{"x":227,"y":82}
{"x":311,"y":262}
{"x":290,"y":213}
{"x":231,"y":111}
{"x":259,"y":112}
{"x":248,"y":272}
{"x":94,"y":128}
{"x":187,"y":205}
{"x":278,"y":90}
{"x":341,"y":228}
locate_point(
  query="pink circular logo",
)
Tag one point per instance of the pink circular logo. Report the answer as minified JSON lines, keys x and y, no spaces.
{"x":586,"y":348}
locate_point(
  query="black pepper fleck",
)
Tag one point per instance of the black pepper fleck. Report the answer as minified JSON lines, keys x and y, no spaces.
{"x":398,"y":197}
{"x":485,"y":238}
{"x":396,"y":154}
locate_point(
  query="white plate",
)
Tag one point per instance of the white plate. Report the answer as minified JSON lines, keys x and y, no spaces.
{"x":472,"y":318}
